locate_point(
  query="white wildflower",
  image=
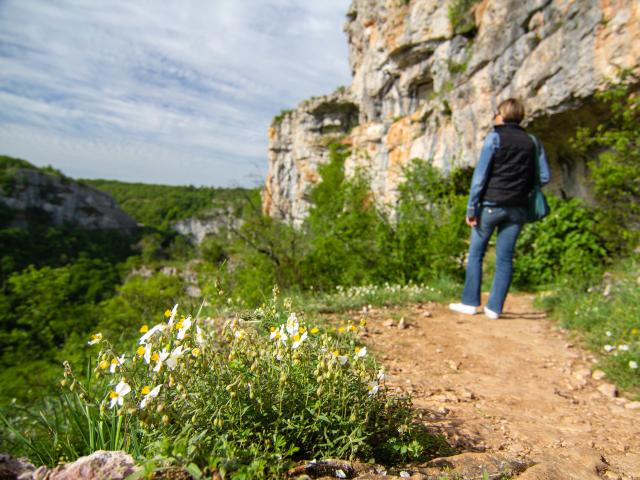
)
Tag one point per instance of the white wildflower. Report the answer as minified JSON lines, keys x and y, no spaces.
{"x":144,"y":338}
{"x":149,"y":395}
{"x":186,"y":324}
{"x":147,"y":354}
{"x":623,"y":348}
{"x":361,"y":352}
{"x":159,"y":358}
{"x":115,"y":363}
{"x":608,"y":348}
{"x":174,"y":311}
{"x":298,"y":340}
{"x":373,"y":388}
{"x":95,"y":338}
{"x":633,"y":365}
{"x":172,"y":361}
{"x":117,"y":395}
{"x":199,"y":336}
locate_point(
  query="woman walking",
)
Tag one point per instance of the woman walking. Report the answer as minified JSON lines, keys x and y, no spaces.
{"x":500,"y":188}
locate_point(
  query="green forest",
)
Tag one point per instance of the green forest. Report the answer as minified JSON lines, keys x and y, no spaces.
{"x":61,"y":285}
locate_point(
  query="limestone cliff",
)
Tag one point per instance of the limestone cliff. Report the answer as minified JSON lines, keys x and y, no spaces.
{"x":428,"y":74}
{"x":37,"y":196}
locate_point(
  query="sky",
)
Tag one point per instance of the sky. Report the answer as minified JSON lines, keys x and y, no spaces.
{"x":161,"y":91}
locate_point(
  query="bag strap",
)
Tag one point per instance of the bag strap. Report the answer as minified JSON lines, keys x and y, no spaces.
{"x":536,"y":159}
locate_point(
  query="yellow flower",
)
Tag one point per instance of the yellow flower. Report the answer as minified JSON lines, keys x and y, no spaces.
{"x":634,"y":331}
{"x":145,"y":390}
{"x":341,"y":330}
{"x":144,"y":329}
{"x":352,"y":328}
{"x":315,"y":330}
{"x":155,"y":357}
{"x":140,"y":351}
{"x":363,"y":322}
{"x":103,"y":364}
{"x":296,"y":337}
{"x":95,"y":338}
{"x":167,"y":313}
{"x":195,"y":352}
{"x":302,"y":329}
{"x":272,"y":329}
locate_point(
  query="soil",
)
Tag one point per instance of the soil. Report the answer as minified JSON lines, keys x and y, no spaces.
{"x":517,"y":386}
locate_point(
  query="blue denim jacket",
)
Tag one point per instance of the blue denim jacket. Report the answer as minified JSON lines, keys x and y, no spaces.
{"x":481,"y":172}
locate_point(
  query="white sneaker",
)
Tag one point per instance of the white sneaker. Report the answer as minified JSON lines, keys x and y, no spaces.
{"x":491,"y":314}
{"x":462,"y":308}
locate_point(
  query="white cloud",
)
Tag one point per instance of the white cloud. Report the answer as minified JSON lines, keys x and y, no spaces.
{"x":162,"y":92}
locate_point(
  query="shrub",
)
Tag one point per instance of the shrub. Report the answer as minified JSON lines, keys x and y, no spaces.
{"x":247,"y":396}
{"x":567,"y":243}
{"x":615,"y":171}
{"x":429,"y":236}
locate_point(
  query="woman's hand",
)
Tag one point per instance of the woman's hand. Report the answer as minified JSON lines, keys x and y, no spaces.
{"x":471,"y":221}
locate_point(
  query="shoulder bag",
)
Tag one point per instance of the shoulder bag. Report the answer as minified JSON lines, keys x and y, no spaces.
{"x":538,"y":207}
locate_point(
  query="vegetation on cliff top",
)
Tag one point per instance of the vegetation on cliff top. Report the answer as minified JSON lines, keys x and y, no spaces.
{"x":159,"y":206}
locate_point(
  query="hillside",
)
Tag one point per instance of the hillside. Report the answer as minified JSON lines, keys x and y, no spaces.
{"x":31,"y":195}
{"x":160,"y":206}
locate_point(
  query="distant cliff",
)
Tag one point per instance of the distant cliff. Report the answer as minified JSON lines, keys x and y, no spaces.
{"x":36,"y":196}
{"x":427,"y":76}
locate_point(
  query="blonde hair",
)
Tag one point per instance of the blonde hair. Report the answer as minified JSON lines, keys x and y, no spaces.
{"x":511,"y":110}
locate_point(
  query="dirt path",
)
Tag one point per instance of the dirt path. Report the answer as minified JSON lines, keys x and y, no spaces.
{"x":515,"y":385}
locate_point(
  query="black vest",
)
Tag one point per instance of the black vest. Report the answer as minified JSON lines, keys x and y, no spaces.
{"x":512,"y":171}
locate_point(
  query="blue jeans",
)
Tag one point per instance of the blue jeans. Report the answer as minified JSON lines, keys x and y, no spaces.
{"x":509,"y":222}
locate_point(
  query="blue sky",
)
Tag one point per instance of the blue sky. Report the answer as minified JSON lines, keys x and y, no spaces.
{"x":171,"y":91}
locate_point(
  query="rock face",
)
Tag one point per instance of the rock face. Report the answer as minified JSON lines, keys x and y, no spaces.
{"x":36,"y":196}
{"x":423,"y":87}
{"x":217,"y":223}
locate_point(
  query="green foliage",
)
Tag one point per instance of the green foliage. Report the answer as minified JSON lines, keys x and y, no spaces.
{"x":567,"y":243}
{"x":606,"y":312}
{"x":615,"y":171}
{"x":280,"y":117}
{"x":66,"y":427}
{"x":356,"y":297}
{"x":9,"y":168}
{"x":247,"y":397}
{"x":342,"y":226}
{"x":461,"y":17}
{"x":44,"y":306}
{"x":58,"y":246}
{"x":158,"y":206}
{"x":429,"y":239}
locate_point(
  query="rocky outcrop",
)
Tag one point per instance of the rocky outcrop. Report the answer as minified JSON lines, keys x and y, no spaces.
{"x":425,"y":87}
{"x":218,"y":222}
{"x":298,"y":142}
{"x":39,"y":197}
